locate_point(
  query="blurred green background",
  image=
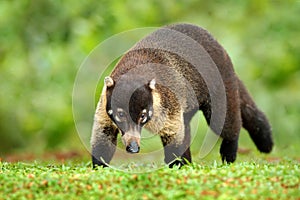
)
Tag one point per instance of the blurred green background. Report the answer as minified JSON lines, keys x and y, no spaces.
{"x":43,"y":43}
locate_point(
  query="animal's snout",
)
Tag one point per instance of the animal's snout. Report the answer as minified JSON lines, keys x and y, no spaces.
{"x":133,"y":147}
{"x":131,"y":140}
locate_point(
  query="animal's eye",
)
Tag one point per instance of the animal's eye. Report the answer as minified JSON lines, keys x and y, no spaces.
{"x":120,"y":116}
{"x":143,"y":117}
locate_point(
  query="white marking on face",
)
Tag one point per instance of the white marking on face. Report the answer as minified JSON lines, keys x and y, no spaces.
{"x":110,"y":112}
{"x":118,"y":119}
{"x":152,"y":84}
{"x":150,"y":113}
{"x":108,"y":81}
{"x":120,"y":110}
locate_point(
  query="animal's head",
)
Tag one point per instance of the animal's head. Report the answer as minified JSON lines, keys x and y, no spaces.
{"x":130,"y":107}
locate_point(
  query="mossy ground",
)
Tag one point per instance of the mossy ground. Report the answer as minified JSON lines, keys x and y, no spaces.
{"x":73,"y":180}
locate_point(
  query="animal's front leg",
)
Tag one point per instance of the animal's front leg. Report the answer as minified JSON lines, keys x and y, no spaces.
{"x":104,"y":141}
{"x":176,"y":145}
{"x":104,"y":137}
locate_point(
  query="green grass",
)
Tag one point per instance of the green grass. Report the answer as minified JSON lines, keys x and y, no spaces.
{"x":242,"y":180}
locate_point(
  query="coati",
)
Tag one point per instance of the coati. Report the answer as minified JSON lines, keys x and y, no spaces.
{"x":155,"y":86}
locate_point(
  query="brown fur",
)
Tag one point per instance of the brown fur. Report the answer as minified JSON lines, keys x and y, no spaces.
{"x":104,"y":137}
{"x":181,"y":91}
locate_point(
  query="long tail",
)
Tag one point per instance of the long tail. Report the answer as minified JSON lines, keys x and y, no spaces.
{"x":255,"y":122}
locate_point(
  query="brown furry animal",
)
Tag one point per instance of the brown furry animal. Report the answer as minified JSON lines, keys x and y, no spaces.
{"x":161,"y":83}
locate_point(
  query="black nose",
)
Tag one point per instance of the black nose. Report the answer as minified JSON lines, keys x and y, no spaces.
{"x":133,"y":147}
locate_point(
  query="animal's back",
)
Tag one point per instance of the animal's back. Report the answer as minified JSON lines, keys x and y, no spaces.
{"x":178,"y":73}
{"x":210,"y":44}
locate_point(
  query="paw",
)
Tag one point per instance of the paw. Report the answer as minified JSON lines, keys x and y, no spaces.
{"x":228,"y":150}
{"x":179,"y":162}
{"x":97,"y":163}
{"x":228,"y":158}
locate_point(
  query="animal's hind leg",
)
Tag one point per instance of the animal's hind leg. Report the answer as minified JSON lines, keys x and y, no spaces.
{"x":231,"y":126}
{"x":255,"y":122}
{"x":228,"y":150}
{"x":230,"y":135}
{"x":230,"y":132}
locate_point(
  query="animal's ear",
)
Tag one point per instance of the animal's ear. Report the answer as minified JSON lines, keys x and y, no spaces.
{"x":108,"y":81}
{"x":152,"y":84}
